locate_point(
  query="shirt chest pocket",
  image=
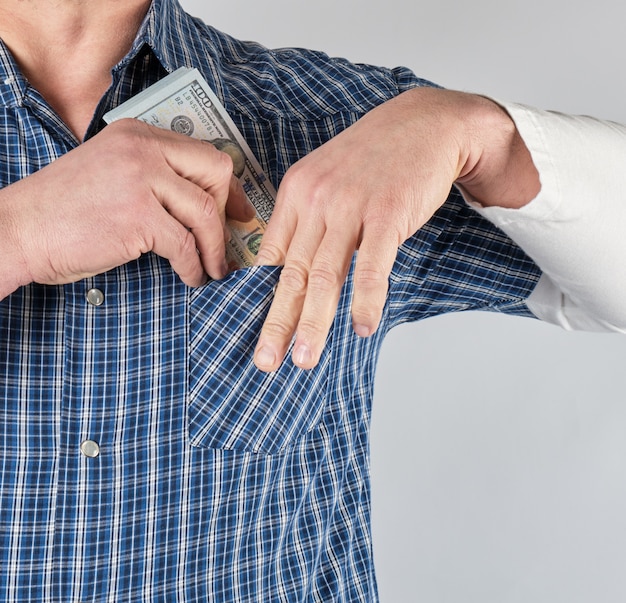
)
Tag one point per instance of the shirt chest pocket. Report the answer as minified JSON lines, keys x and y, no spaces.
{"x":232,"y":405}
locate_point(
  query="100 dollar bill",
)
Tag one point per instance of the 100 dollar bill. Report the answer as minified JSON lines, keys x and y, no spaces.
{"x":184,"y":102}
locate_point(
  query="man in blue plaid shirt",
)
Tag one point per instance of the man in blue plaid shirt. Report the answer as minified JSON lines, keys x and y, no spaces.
{"x":156,"y":442}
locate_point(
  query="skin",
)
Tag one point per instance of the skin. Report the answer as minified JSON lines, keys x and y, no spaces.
{"x":103,"y":204}
{"x":66,"y":221}
{"x":66,"y":48}
{"x":332,"y":202}
{"x":71,"y":219}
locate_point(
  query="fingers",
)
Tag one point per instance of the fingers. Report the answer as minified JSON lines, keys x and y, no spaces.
{"x":190,"y":232}
{"x":278,"y":234}
{"x":374,"y":262}
{"x":198,"y":195}
{"x":326,"y":278}
{"x":307,"y":295}
{"x":139,"y":189}
{"x":306,"y":298}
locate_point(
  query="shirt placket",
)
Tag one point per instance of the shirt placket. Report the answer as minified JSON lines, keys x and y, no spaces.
{"x":91,"y":389}
{"x":122,"y":433}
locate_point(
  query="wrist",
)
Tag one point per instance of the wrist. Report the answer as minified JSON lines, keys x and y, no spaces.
{"x":499,"y":170}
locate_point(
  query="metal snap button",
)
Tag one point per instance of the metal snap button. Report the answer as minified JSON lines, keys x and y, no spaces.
{"x":95,"y":297}
{"x":90,"y":449}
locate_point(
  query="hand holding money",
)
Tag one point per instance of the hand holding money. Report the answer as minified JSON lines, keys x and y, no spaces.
{"x":184,"y":103}
{"x":129,"y":190}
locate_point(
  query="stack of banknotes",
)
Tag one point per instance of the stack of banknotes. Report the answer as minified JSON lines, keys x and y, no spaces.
{"x":184,"y":102}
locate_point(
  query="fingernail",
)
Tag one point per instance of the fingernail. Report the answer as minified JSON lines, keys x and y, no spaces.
{"x":265,"y":357}
{"x":302,"y":355}
{"x":362,"y":330}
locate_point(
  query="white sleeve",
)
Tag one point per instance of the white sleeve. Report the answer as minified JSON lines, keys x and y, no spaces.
{"x":575,"y":229}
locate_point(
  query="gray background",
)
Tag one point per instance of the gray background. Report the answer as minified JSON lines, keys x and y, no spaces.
{"x":499,"y":444}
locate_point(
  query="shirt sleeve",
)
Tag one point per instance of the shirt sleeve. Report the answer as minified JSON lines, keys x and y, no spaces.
{"x":459,"y":261}
{"x":574,"y":228}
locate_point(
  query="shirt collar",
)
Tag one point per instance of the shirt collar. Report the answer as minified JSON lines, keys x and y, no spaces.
{"x":170,"y":33}
{"x":12,"y":83}
{"x":180,"y":40}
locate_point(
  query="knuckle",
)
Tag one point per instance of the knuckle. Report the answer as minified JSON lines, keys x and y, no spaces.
{"x":308,"y":327}
{"x":324,"y":278}
{"x":366,"y":313}
{"x":391,"y":221}
{"x":221,"y":163}
{"x":126,"y":131}
{"x":186,"y":243}
{"x":296,"y":183}
{"x":292,"y":177}
{"x":277,"y":329}
{"x":225,"y":163}
{"x":270,"y":253}
{"x":370,"y":277}
{"x":134,"y":246}
{"x":294,"y":276}
{"x":206,"y":205}
{"x":286,"y":190}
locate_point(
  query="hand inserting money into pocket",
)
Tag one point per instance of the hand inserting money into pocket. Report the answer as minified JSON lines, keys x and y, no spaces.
{"x":184,"y":103}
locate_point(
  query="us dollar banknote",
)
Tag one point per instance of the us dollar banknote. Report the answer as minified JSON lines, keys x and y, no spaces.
{"x":184,"y":102}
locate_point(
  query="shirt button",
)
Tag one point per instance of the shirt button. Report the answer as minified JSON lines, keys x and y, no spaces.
{"x":90,"y":449}
{"x":95,"y":297}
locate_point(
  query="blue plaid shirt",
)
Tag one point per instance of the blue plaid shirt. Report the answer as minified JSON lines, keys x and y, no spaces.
{"x":143,"y":457}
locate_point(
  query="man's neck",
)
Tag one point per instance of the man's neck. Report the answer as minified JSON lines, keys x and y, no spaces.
{"x":66,"y":48}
